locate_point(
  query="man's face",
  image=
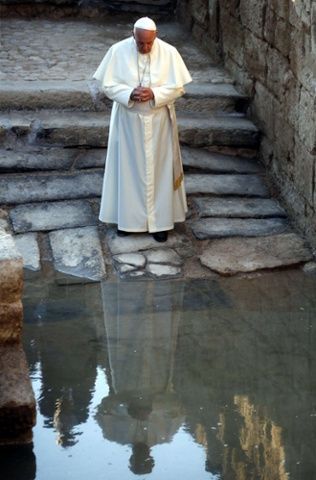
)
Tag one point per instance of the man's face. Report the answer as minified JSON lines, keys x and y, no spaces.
{"x":144,"y":40}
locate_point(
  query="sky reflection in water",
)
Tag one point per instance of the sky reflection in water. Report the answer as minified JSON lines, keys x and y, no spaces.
{"x":197,"y":380}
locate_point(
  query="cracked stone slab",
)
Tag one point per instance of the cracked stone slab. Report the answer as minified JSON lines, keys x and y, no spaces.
{"x":232,"y":227}
{"x":246,"y":185}
{"x":160,"y":271}
{"x":52,"y":216}
{"x":78,"y":252}
{"x":142,"y":241}
{"x":16,"y":189}
{"x":238,"y":207}
{"x":27,"y":245}
{"x":201,"y":159}
{"x":234,"y":255}
{"x":164,"y":256}
{"x":136,"y":260}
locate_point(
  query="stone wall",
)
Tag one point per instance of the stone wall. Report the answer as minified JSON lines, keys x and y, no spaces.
{"x":17,"y":403}
{"x":270,"y":48}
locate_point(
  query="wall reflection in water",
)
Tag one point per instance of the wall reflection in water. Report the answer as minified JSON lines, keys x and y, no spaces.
{"x":230,"y":365}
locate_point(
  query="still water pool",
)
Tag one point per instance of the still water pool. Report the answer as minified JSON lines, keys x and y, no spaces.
{"x":165,"y":380}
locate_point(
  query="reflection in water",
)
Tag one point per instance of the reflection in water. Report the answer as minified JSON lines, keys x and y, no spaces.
{"x":200,"y":380}
{"x":142,"y":408}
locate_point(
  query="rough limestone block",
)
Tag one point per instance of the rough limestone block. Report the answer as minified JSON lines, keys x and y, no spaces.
{"x":201,"y":159}
{"x":17,"y":403}
{"x":232,"y":227}
{"x":142,"y":241}
{"x":52,"y":216}
{"x":11,"y":316}
{"x":16,"y":189}
{"x":247,"y":185}
{"x":11,"y":270}
{"x":238,"y":207}
{"x":234,"y":255}
{"x":27,"y":245}
{"x":77,"y":252}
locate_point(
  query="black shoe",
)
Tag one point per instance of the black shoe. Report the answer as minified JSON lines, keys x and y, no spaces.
{"x":122,"y":233}
{"x":160,"y":236}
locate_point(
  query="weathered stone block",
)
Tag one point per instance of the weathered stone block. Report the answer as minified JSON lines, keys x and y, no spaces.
{"x":307,"y":120}
{"x":304,"y":165}
{"x":300,"y":12}
{"x":199,"y":11}
{"x":277,"y":32}
{"x":280,"y":7}
{"x":279,"y":72}
{"x":256,"y":57}
{"x":11,"y":270}
{"x":231,"y":256}
{"x":17,"y":403}
{"x":234,"y":38}
{"x":252,"y":15}
{"x":264,"y":107}
{"x":11,"y":316}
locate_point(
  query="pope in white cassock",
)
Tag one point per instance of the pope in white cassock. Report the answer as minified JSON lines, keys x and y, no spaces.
{"x":143,"y":188}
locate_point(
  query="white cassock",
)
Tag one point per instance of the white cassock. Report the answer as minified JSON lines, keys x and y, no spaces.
{"x":143,"y":188}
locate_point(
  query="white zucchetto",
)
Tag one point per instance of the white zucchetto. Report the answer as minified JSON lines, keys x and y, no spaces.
{"x":145,"y":23}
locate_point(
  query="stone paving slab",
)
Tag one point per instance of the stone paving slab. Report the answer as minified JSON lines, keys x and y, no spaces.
{"x":238,"y":207}
{"x":246,"y":185}
{"x":142,"y":241}
{"x":16,"y":189}
{"x":234,"y":255}
{"x":231,"y":227}
{"x":164,"y":256}
{"x":163,"y":271}
{"x":77,"y":252}
{"x":91,"y":128}
{"x":79,"y":46}
{"x":52,"y":216}
{"x":201,"y":159}
{"x":27,"y":245}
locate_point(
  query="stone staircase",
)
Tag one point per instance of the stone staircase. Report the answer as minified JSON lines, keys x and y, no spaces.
{"x":54,"y":136}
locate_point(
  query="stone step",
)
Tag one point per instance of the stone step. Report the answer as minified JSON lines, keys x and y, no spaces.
{"x":48,"y":186}
{"x":245,"y":185}
{"x":51,"y":158}
{"x":208,"y":228}
{"x":234,"y":255}
{"x":52,"y":216}
{"x":238,"y":207}
{"x":91,"y":128}
{"x":58,"y":158}
{"x":38,"y":187}
{"x":17,"y":403}
{"x":201,"y":159}
{"x":87,"y":96}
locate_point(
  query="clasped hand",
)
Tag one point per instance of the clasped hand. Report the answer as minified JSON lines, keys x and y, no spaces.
{"x":142,"y":94}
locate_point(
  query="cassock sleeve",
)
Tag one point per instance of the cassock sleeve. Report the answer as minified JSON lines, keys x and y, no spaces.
{"x":119,"y":93}
{"x":164,"y":95}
